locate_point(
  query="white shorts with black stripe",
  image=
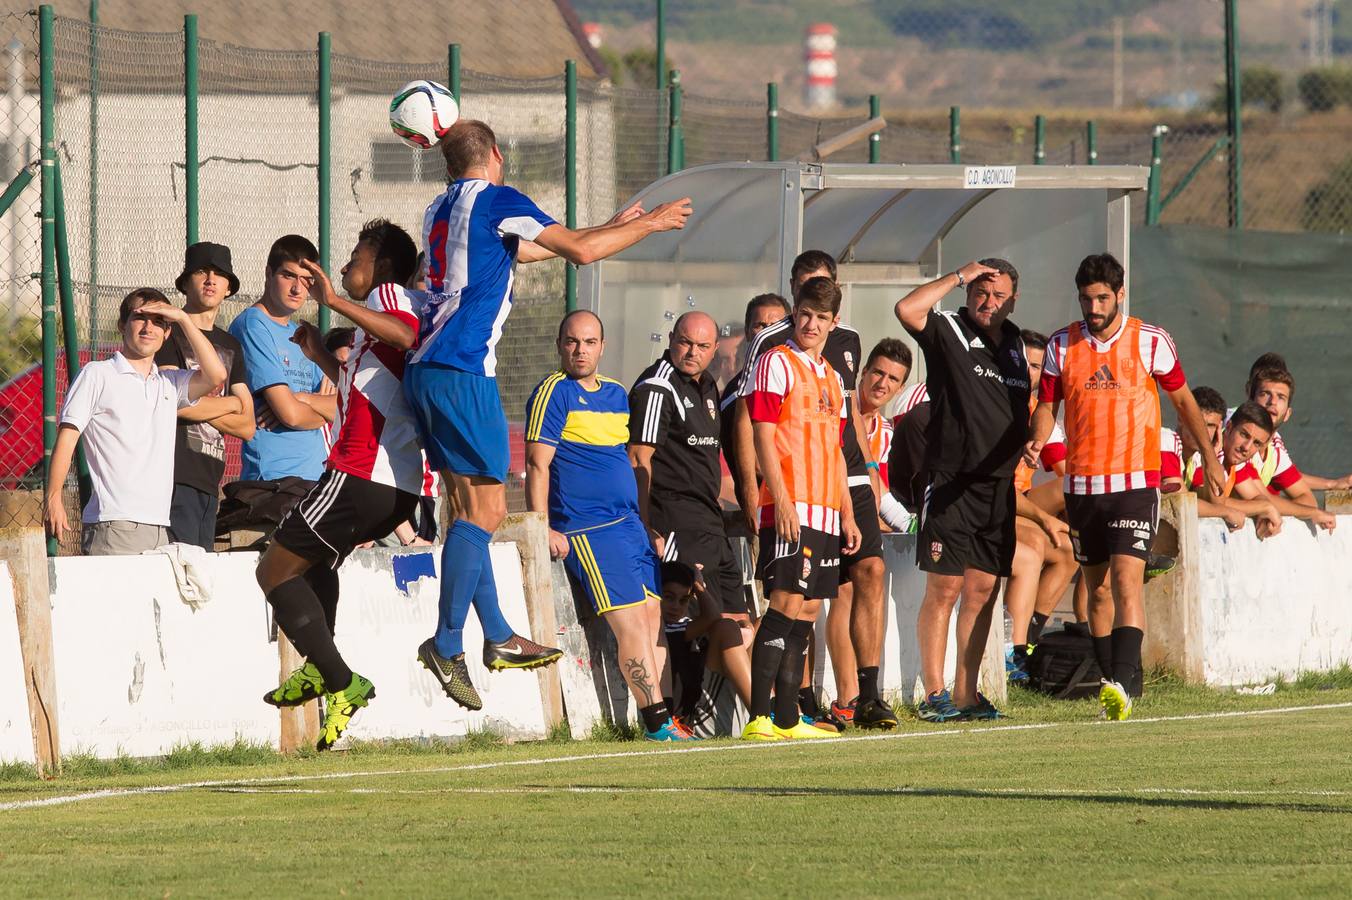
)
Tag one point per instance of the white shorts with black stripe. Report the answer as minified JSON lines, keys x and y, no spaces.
{"x":340,"y":512}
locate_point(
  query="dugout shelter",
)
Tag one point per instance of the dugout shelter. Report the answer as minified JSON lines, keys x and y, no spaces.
{"x":890,"y":227}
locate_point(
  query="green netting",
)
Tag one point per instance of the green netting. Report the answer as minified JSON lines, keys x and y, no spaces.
{"x":718,"y":130}
{"x":1228,"y":296}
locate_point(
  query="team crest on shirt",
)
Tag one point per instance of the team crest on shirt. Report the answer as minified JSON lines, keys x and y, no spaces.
{"x":936,"y":550}
{"x":709,"y":404}
{"x":849,"y":360}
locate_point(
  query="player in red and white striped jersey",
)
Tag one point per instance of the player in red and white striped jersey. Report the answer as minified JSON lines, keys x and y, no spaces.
{"x":1171,"y":461}
{"x":1272,"y":386}
{"x":884,"y":373}
{"x":376,"y":435}
{"x":375,"y":473}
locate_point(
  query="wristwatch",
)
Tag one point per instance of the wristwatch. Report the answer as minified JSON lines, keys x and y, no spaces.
{"x":958,"y":274}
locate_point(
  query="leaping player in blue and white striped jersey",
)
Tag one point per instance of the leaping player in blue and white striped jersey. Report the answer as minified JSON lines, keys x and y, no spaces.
{"x":474,"y":234}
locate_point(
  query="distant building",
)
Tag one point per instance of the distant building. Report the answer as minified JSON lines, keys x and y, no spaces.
{"x":819,"y":55}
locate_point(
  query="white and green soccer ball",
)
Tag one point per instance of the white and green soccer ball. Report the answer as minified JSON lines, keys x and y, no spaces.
{"x":422,"y":112}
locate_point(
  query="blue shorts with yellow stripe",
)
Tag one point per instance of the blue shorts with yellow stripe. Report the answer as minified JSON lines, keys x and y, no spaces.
{"x":614,"y":565}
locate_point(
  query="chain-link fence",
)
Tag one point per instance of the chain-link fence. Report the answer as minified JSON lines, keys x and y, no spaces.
{"x":21,"y":376}
{"x":120,"y":115}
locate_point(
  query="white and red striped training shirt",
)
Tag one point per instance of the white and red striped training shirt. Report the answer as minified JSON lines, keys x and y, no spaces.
{"x":376,"y":438}
{"x":1158,"y":357}
{"x":910,"y":397}
{"x":1273,"y":463}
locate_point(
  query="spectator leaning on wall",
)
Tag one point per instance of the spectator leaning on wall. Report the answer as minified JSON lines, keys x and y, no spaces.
{"x":199,"y":447}
{"x":126,"y":408}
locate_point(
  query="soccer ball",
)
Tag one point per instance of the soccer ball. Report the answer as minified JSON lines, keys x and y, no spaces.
{"x":422,"y":112}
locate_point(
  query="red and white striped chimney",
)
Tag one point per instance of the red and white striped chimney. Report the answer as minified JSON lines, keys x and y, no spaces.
{"x":592,"y":32}
{"x":819,"y":52}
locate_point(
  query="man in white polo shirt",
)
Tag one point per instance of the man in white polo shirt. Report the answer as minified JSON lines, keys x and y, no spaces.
{"x":126,"y":409}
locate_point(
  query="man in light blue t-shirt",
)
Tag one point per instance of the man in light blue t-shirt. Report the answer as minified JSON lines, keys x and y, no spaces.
{"x":284,"y":384}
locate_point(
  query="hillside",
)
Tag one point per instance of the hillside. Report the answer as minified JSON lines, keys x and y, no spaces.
{"x":1011,"y":23}
{"x":973,"y":53}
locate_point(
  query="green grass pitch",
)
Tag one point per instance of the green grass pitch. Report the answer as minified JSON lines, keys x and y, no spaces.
{"x":1203,"y":793}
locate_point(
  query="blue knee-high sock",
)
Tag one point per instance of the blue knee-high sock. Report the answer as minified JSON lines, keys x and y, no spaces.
{"x":463,"y":559}
{"x":486,"y":605}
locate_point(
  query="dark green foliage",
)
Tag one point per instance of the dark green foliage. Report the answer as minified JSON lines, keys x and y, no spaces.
{"x":1324,"y":88}
{"x":1328,"y":205}
{"x":1260,"y":86}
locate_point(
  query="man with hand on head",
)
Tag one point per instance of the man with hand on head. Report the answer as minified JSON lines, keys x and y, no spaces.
{"x":199,"y":447}
{"x":977,"y":378}
{"x":578,"y":472}
{"x":126,"y":409}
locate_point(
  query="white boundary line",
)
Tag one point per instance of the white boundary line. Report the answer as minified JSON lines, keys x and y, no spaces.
{"x":107,"y":793}
{"x":1045,"y":793}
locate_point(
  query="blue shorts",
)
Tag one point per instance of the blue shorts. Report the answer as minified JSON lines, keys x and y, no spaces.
{"x":460,"y":420}
{"x":614,"y":565}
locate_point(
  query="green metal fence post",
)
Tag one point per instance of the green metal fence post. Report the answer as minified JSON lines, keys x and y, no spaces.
{"x":772,"y":121}
{"x":93,"y":171}
{"x":954,"y":135}
{"x":190,"y":162}
{"x":661,"y":45}
{"x":47,"y":101}
{"x":453,"y":71}
{"x":875,"y":148}
{"x":325,"y":156}
{"x":570,"y":172}
{"x":1233,"y":108}
{"x":66,"y":291}
{"x":1152,"y":197}
{"x":1039,"y":140}
{"x":1091,"y":141}
{"x":675,"y":139}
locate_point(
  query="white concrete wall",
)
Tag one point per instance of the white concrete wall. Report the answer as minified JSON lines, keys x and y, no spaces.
{"x":139,"y":672}
{"x":1277,"y":607}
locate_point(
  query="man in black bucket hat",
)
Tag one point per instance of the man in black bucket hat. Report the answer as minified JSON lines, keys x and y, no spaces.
{"x":199,"y":451}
